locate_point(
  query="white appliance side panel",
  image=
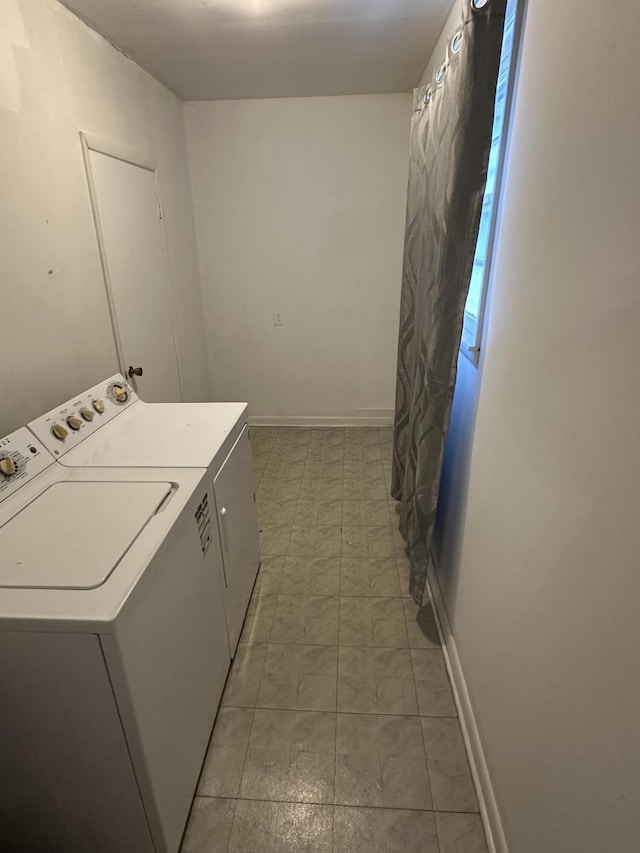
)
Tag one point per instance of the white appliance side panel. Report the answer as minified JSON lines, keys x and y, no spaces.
{"x":66,"y":781}
{"x":238,"y":525}
{"x":168,"y":660}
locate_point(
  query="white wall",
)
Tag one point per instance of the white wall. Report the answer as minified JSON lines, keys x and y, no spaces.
{"x":58,"y":77}
{"x":300,"y":206}
{"x":439,"y":51}
{"x":543,"y":591}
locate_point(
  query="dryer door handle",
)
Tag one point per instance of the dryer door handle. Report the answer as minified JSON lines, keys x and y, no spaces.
{"x":223,"y":526}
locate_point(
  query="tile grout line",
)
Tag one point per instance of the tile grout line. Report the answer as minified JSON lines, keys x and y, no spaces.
{"x":335,"y":738}
{"x":244,"y":758}
{"x":336,"y":805}
{"x":233,"y":820}
{"x":353,"y":713}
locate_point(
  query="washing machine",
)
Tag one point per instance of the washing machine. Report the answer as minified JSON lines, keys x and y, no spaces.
{"x":110,"y":426}
{"x":113,"y":651}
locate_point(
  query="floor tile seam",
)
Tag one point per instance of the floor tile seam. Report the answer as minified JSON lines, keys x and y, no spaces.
{"x":282,"y":643}
{"x":259,"y":707}
{"x":299,"y":674}
{"x":335,"y":739}
{"x":303,"y":642}
{"x":326,"y":645}
{"x":415,"y":688}
{"x":327,"y":595}
{"x":235,"y":800}
{"x":233,"y":820}
{"x":438,"y":837}
{"x":338,"y":645}
{"x":426,"y":755}
{"x":268,"y":456}
{"x":333,"y":817}
{"x":246,"y":751}
{"x":328,"y":556}
{"x":257,"y":694}
{"x":331,"y":805}
{"x":342,"y":525}
{"x":316,"y":479}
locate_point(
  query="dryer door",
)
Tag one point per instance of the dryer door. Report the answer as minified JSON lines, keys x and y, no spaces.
{"x":238,"y":526}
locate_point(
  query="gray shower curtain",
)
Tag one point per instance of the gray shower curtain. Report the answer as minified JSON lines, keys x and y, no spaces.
{"x":449,"y":156}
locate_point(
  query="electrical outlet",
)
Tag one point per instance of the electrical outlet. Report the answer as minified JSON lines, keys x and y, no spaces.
{"x":277,"y":318}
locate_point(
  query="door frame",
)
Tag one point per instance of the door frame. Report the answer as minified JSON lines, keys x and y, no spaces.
{"x":88,"y":143}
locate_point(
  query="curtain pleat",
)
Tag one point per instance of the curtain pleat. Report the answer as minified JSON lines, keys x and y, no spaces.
{"x":449,"y":155}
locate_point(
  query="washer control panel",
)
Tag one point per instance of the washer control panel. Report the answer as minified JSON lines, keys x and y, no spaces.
{"x":64,"y":427}
{"x":22,"y":457}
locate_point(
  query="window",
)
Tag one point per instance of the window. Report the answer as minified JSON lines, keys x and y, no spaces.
{"x":474,"y":308}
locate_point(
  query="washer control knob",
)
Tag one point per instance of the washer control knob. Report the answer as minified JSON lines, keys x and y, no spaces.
{"x":121,"y":394}
{"x":98,"y":405}
{"x":74,"y":423}
{"x":59,"y":432}
{"x":7,"y":466}
{"x":87,"y":414}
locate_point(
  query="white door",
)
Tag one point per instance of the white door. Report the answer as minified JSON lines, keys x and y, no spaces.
{"x":134,"y":256}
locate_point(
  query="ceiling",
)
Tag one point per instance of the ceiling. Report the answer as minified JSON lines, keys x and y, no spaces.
{"x":221,"y":49}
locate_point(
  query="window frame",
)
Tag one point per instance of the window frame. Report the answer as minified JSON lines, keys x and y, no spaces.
{"x":472,"y":351}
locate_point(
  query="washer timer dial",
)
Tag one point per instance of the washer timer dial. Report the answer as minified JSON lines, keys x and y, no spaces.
{"x":118,"y":392}
{"x":12,"y":465}
{"x":7,"y":466}
{"x":121,"y":394}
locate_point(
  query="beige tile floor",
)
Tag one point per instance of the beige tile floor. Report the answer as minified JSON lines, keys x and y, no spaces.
{"x":337,"y":731}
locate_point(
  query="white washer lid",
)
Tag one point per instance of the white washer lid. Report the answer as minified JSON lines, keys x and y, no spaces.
{"x":74,"y":534}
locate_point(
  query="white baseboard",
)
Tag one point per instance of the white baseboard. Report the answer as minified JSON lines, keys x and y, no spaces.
{"x":496,"y":840}
{"x":323,"y":421}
